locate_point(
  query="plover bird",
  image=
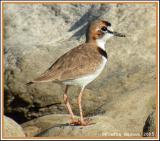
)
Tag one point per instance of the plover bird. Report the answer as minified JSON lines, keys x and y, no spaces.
{"x":81,"y":65}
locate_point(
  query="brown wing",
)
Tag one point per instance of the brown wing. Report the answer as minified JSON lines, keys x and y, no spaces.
{"x":75,"y":63}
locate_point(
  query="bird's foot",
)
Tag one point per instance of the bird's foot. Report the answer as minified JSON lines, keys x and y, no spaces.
{"x":84,"y":122}
{"x":75,"y":122}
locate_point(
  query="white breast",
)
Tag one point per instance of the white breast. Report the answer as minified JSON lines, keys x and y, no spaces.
{"x":83,"y":81}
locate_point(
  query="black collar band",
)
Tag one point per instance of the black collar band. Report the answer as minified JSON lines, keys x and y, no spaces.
{"x":103,"y":52}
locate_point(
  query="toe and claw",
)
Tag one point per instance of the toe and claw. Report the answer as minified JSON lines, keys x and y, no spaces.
{"x":79,"y":122}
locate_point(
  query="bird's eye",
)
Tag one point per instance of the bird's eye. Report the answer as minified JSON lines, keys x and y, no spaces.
{"x":104,"y":28}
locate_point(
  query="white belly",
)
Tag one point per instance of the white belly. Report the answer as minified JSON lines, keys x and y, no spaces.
{"x":83,"y":81}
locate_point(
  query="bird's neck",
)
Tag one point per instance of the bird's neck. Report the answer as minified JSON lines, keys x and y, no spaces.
{"x":101,"y":43}
{"x":98,"y":42}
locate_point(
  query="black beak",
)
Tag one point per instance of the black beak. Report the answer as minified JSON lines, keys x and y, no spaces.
{"x":116,"y":33}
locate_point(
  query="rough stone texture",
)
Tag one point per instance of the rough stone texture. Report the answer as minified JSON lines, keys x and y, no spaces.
{"x":149,"y":129}
{"x":36,"y":35}
{"x":57,"y":125}
{"x":120,"y":119}
{"x":12,"y":129}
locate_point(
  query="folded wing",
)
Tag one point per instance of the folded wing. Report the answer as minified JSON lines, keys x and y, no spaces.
{"x":75,"y":63}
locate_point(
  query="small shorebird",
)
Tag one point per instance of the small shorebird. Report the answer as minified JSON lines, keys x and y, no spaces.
{"x":81,"y":65}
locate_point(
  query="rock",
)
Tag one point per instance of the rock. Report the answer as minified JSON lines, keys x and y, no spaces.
{"x":12,"y":129}
{"x":102,"y":126}
{"x":118,"y":120}
{"x":57,"y":125}
{"x":37,"y":35}
{"x":149,"y":129}
{"x":38,"y":125}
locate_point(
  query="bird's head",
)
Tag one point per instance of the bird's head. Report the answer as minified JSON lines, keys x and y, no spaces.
{"x":100,"y":31}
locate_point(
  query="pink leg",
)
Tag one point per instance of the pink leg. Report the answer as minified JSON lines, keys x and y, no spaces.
{"x":66,"y":101}
{"x":80,"y":106}
{"x":83,"y":122}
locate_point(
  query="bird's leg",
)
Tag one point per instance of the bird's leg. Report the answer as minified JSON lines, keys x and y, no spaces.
{"x":83,"y":121}
{"x":66,"y":101}
{"x":80,"y":106}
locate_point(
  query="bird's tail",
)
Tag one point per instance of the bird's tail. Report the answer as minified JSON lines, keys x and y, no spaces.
{"x":29,"y":83}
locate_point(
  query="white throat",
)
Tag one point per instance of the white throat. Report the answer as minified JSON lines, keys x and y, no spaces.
{"x":101,"y":43}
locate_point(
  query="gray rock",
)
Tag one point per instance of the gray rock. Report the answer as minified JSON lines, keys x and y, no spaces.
{"x":123,"y":117}
{"x":58,"y":125}
{"x":102,"y":126}
{"x":37,"y":35}
{"x":12,"y":129}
